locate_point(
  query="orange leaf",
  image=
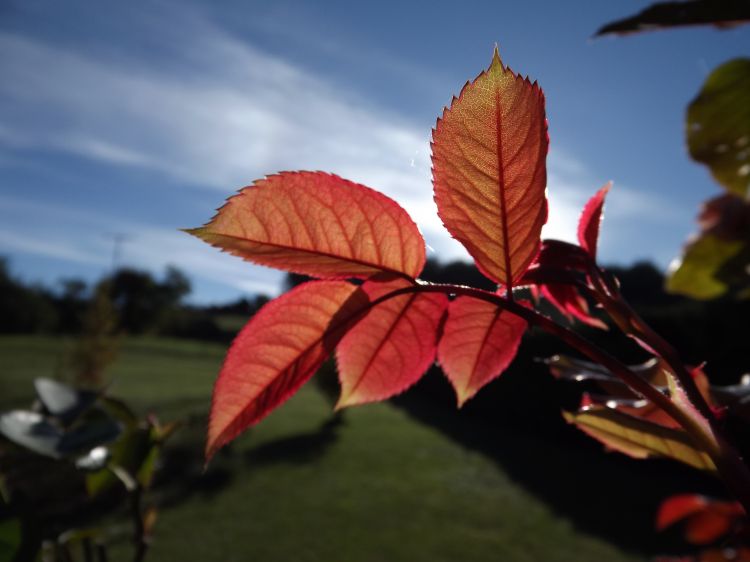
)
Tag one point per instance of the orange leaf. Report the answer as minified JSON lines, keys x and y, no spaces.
{"x":317,"y":224}
{"x":278,"y":350}
{"x":392,"y":346}
{"x":489,"y":172}
{"x":479,"y":342}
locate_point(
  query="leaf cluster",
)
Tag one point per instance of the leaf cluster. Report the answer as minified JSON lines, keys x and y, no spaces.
{"x":365,"y":302}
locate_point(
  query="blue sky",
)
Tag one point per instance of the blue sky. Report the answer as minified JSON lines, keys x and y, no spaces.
{"x":139,"y":118}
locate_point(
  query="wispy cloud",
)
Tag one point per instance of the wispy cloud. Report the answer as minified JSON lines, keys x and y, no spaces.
{"x":221,"y":115}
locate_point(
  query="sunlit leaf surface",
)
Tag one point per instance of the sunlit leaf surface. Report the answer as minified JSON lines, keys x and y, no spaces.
{"x":317,"y":224}
{"x":392,"y":346}
{"x":479,"y":342}
{"x":278,"y":350}
{"x":639,"y":438}
{"x":489,"y":172}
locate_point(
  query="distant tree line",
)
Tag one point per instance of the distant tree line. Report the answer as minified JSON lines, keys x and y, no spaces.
{"x":138,"y":302}
{"x":712,"y":331}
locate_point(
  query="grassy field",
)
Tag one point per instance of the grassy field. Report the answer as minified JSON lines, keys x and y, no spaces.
{"x":302,"y":486}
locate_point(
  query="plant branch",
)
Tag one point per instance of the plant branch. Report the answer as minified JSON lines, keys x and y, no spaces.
{"x":729,"y":464}
{"x":139,"y":532}
{"x":630,"y":322}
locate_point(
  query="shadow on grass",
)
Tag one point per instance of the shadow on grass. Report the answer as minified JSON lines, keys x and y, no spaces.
{"x":604,"y":494}
{"x":182,"y":474}
{"x":297,"y":449}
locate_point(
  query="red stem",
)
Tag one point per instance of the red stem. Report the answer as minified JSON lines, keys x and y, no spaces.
{"x":630,"y":322}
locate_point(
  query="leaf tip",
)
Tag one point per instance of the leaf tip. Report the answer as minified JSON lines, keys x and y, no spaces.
{"x":201,"y":233}
{"x":212,"y":447}
{"x":496,"y":60}
{"x":344,"y":401}
{"x":462,"y":397}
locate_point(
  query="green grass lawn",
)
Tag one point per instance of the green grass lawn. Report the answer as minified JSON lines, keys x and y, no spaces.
{"x":377,"y":486}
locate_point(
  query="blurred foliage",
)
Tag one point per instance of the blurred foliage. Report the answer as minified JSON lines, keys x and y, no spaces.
{"x":718,"y":125}
{"x":71,"y":460}
{"x":127,"y":302}
{"x":723,"y":14}
{"x":97,"y":346}
{"x":24,"y":308}
{"x":715,"y":265}
{"x":717,"y":260}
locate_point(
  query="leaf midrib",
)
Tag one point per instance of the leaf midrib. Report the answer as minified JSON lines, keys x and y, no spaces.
{"x":375,"y":267}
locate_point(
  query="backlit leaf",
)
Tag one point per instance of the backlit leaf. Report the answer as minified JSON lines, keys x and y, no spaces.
{"x":278,"y":350}
{"x":392,"y":346}
{"x":718,"y":259}
{"x":571,"y":304}
{"x":317,"y":224}
{"x":556,"y":255}
{"x":639,"y":438}
{"x":591,"y":218}
{"x":710,"y":267}
{"x":479,"y":342}
{"x":489,"y":172}
{"x":718,"y":125}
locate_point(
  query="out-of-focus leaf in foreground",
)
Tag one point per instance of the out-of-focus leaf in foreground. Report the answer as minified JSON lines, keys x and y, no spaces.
{"x":317,"y":224}
{"x":665,"y":15}
{"x":718,"y":259}
{"x":489,"y":171}
{"x":718,"y":125}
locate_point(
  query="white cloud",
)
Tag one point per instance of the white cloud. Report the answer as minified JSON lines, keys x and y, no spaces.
{"x":226,"y":114}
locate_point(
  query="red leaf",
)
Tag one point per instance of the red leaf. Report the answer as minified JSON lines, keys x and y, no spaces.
{"x":678,"y":507}
{"x":707,"y":526}
{"x":556,"y":254}
{"x":489,"y":173}
{"x":707,"y":520}
{"x":571,"y":303}
{"x":591,"y":218}
{"x":392,"y":346}
{"x":317,"y":224}
{"x":278,"y":350}
{"x":479,"y":342}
